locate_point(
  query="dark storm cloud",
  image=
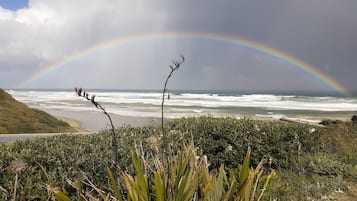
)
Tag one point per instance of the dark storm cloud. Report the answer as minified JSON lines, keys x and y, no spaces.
{"x":321,"y":33}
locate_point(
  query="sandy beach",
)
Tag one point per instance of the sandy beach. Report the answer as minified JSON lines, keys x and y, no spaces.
{"x":96,"y":121}
{"x":307,"y":118}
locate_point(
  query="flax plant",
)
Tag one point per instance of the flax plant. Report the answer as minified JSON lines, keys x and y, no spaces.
{"x":188,"y":179}
{"x":80,"y":92}
{"x":174,"y":67}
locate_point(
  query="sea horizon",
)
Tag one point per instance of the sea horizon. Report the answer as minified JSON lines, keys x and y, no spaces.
{"x":317,"y":93}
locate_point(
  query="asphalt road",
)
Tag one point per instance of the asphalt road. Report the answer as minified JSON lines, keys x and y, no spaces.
{"x":4,"y":138}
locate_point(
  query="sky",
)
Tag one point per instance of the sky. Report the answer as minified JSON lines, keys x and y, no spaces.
{"x":38,"y":34}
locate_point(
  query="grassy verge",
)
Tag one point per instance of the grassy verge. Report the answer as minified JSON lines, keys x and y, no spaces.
{"x":312,"y":163}
{"x":16,"y":117}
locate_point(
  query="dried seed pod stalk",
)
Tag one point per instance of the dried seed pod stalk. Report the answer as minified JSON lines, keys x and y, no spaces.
{"x":80,"y":92}
{"x":176,"y":65}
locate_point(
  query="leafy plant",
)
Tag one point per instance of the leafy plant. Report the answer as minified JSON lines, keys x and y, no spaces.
{"x":188,"y":178}
{"x":224,"y":138}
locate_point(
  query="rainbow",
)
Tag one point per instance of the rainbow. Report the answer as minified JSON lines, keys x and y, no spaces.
{"x":120,"y":41}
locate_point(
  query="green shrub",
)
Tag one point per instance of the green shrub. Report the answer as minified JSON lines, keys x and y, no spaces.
{"x":282,"y":142}
{"x":185,"y":177}
{"x":331,"y":149}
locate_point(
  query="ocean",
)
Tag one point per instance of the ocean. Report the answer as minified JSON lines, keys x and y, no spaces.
{"x":187,"y":103}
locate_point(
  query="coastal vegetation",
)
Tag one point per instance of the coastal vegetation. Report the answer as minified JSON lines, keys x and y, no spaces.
{"x":16,"y":117}
{"x":201,"y":158}
{"x":311,"y":163}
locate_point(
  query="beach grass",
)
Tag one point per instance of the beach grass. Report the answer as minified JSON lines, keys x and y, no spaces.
{"x":16,"y":117}
{"x":311,"y":163}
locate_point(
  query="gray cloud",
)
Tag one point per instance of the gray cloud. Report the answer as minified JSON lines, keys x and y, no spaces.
{"x":319,"y":32}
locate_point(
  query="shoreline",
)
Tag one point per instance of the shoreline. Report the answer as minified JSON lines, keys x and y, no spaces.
{"x":94,"y":121}
{"x":77,"y":125}
{"x":306,"y":118}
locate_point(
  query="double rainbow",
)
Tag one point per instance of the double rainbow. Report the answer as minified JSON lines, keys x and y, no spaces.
{"x":121,"y":41}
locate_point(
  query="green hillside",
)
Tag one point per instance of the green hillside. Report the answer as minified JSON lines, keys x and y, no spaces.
{"x":16,"y":117}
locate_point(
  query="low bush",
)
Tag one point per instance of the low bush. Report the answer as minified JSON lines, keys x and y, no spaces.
{"x":184,"y":176}
{"x":306,"y":158}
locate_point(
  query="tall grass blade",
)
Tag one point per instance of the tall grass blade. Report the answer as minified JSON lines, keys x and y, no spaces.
{"x":114,"y":185}
{"x":268,"y":181}
{"x":142,"y":181}
{"x":159,"y":187}
{"x":244,"y":172}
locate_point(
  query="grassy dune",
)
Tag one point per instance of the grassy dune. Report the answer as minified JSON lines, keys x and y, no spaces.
{"x":16,"y":117}
{"x":312,"y":163}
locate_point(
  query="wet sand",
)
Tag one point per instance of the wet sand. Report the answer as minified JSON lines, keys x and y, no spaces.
{"x":96,"y":121}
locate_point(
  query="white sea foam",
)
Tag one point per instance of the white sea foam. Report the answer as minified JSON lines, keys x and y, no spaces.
{"x":148,"y":104}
